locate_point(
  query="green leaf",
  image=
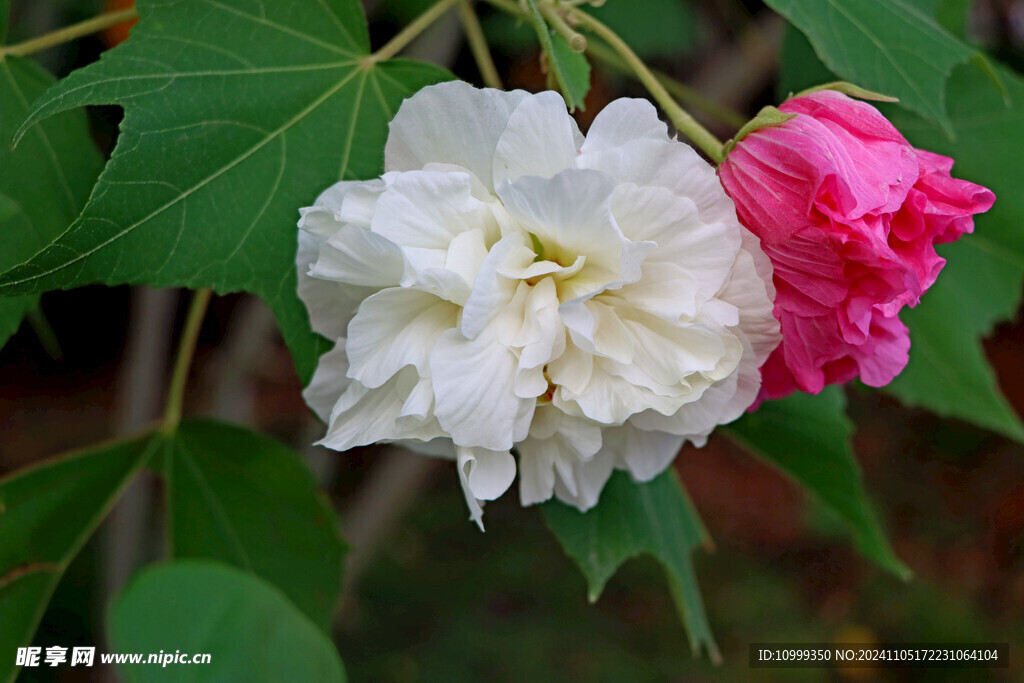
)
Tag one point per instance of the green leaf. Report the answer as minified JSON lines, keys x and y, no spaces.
{"x":799,"y":67}
{"x":5,"y":12}
{"x":652,"y":28}
{"x":245,"y":499}
{"x":851,"y":90}
{"x":808,"y":438}
{"x":951,"y":14}
{"x":237,"y":113}
{"x":44,"y":183}
{"x":768,"y":116}
{"x":981,"y":283}
{"x":633,"y":518}
{"x":249,"y":628}
{"x":573,"y":72}
{"x":571,"y":69}
{"x":889,"y":46}
{"x":47,"y":513}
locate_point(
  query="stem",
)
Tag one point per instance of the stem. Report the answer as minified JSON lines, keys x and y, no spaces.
{"x":182,"y":362}
{"x":577,"y":43}
{"x":69,"y":33}
{"x":680,"y":91}
{"x":44,"y":332}
{"x":682,"y":120}
{"x":409,"y":33}
{"x":478,"y":46}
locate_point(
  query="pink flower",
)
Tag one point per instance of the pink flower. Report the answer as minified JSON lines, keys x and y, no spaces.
{"x":849,"y":214}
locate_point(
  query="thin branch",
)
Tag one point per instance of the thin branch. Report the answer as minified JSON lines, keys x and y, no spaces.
{"x":478,"y":46}
{"x":69,"y":33}
{"x":679,"y":117}
{"x":679,"y":90}
{"x":186,"y":349}
{"x":409,"y":33}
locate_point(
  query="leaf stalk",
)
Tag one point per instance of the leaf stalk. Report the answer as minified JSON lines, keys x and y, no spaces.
{"x":69,"y":33}
{"x":409,"y":33}
{"x":478,"y":46}
{"x":680,"y":118}
{"x":183,"y":361}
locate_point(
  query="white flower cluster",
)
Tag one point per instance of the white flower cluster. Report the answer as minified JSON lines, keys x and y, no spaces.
{"x":507,"y":283}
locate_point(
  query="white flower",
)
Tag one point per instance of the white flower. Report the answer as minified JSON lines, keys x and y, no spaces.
{"x":507,"y":283}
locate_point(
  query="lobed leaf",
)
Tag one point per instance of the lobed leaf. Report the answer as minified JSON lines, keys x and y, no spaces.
{"x":44,"y":183}
{"x":249,"y":628}
{"x":808,"y":438}
{"x":242,"y":498}
{"x":982,"y":281}
{"x":237,"y":113}
{"x":652,"y":28}
{"x":633,"y":518}
{"x":47,"y":513}
{"x":889,"y":46}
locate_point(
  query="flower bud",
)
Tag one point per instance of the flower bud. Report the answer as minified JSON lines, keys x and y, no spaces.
{"x":849,"y":213}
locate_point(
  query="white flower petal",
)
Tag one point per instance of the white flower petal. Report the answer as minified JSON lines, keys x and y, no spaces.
{"x":329,"y":381}
{"x":363,"y":416}
{"x":451,"y":123}
{"x":596,"y":328}
{"x":488,"y":473}
{"x":330,"y":304}
{"x":484,"y":475}
{"x":572,"y":370}
{"x":705,"y":250}
{"x":678,"y":168}
{"x":606,"y":398}
{"x":557,"y":442}
{"x":427,"y":209}
{"x":721,"y":403}
{"x":667,"y":290}
{"x":750,"y":289}
{"x":395,"y":328}
{"x":474,"y":393}
{"x":622,"y":121}
{"x":322,"y":218}
{"x":541,"y":336}
{"x":357,"y":256}
{"x":360,"y":202}
{"x":491,"y":290}
{"x":589,"y":478}
{"x":571,"y":216}
{"x":646,"y":454}
{"x":541,"y":140}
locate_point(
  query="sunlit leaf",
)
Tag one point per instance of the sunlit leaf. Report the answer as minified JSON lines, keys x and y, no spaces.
{"x":44,"y":183}
{"x":237,"y":114}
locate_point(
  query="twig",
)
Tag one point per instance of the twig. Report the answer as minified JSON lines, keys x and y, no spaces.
{"x":183,"y":361}
{"x":69,"y":33}
{"x":478,"y":46}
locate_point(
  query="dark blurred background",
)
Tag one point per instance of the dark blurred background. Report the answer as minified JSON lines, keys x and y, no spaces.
{"x":427,"y":596}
